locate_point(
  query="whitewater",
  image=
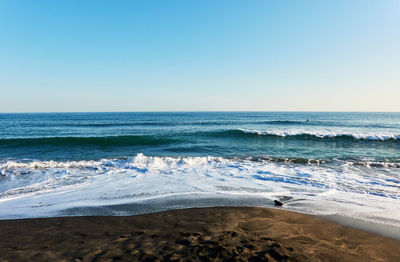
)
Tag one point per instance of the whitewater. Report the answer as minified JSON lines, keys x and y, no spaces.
{"x":345,"y":164}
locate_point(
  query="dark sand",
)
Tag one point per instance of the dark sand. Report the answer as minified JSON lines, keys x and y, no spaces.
{"x":216,"y":234}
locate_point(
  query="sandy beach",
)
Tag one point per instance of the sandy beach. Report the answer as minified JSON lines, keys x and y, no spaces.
{"x":200,"y":234}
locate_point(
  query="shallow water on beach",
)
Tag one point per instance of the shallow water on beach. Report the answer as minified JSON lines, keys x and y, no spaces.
{"x":318,"y":163}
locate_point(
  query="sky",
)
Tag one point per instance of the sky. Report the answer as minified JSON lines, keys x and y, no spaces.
{"x":192,"y":55}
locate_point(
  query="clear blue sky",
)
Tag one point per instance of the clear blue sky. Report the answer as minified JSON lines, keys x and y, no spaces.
{"x":199,"y":55}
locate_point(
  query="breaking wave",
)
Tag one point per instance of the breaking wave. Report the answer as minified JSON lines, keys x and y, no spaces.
{"x":320,"y":135}
{"x":43,"y":188}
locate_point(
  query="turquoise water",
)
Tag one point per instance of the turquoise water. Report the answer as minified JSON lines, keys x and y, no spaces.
{"x":326,"y":136}
{"x":319,"y":163}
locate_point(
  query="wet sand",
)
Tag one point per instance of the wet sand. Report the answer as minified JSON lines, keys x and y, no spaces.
{"x":200,"y":234}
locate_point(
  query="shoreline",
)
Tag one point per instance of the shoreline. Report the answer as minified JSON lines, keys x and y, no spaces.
{"x":179,"y":202}
{"x":196,"y":233}
{"x":162,"y":204}
{"x":383,"y":230}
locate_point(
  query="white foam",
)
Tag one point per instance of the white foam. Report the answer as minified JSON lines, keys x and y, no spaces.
{"x":323,"y":134}
{"x":45,"y":188}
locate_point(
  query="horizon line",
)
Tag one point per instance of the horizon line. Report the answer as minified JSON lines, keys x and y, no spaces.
{"x":198,"y":111}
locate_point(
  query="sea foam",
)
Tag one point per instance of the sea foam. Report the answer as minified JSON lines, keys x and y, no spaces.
{"x":47,"y":188}
{"x":321,"y":134}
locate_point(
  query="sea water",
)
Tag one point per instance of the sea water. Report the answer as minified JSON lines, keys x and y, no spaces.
{"x":58,"y":164}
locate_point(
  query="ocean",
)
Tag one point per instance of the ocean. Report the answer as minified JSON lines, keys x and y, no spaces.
{"x":58,"y":164}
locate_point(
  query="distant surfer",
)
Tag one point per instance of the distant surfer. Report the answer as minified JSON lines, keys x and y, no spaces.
{"x":307,"y":120}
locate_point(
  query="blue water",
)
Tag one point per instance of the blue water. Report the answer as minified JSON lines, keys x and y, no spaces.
{"x":326,"y":136}
{"x":319,"y":163}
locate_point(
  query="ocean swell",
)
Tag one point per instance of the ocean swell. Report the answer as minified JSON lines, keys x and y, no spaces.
{"x":322,"y":135}
{"x":130,"y":140}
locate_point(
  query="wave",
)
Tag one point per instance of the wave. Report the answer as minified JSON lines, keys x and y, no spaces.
{"x":290,"y":122}
{"x":324,"y":123}
{"x":319,"y":135}
{"x":377,"y":164}
{"x":131,"y":140}
{"x":370,"y":163}
{"x":99,"y":125}
{"x":219,"y":122}
{"x":224,"y":123}
{"x":51,"y":186}
{"x":160,"y":162}
{"x":149,"y":140}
